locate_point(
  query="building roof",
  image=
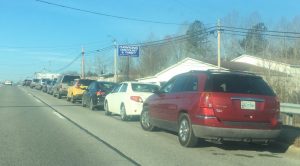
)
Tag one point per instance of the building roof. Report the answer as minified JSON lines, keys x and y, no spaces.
{"x":268,"y":64}
{"x":182,"y":66}
{"x":247,"y":67}
{"x":185,"y":60}
{"x":257,"y":58}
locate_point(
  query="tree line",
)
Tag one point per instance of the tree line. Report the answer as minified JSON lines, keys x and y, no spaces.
{"x":239,"y":35}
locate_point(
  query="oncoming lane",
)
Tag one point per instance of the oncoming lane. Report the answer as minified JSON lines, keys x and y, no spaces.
{"x":33,"y":134}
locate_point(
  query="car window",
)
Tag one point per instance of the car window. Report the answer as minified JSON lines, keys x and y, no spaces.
{"x":68,"y":79}
{"x":123,"y":87}
{"x":116,"y":89}
{"x":92,"y":86}
{"x":179,"y":84}
{"x":143,"y":87}
{"x":53,"y":82}
{"x":85,"y":82}
{"x":106,"y":86}
{"x":36,"y":80}
{"x":168,"y":86}
{"x":230,"y":83}
{"x":191,"y":84}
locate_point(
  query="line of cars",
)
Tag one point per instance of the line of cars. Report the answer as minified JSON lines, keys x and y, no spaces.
{"x":218,"y":105}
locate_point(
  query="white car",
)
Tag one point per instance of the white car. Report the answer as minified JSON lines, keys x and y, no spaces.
{"x":7,"y":82}
{"x":127,"y":99}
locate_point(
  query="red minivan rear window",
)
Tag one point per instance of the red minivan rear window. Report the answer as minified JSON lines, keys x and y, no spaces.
{"x":237,"y":83}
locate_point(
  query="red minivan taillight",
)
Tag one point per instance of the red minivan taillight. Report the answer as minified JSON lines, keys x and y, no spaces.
{"x":277,"y":119}
{"x":205,"y":110}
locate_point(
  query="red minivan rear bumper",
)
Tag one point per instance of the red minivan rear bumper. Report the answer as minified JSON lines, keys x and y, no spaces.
{"x":235,"y":134}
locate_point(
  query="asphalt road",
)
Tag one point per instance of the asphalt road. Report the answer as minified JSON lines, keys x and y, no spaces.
{"x":33,"y":134}
{"x":38,"y":129}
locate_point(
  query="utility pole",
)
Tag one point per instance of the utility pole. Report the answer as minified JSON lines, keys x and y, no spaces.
{"x":128,"y":67}
{"x":82,"y":64}
{"x":219,"y":44}
{"x":115,"y":61}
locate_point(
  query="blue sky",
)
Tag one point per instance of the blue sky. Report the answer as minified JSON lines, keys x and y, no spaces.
{"x":36,"y":36}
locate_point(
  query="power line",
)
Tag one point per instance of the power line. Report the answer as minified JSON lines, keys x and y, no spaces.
{"x":109,"y":15}
{"x":264,"y":34}
{"x":79,"y":55}
{"x":52,"y":47}
{"x":100,"y":50}
{"x":259,"y":30}
{"x":178,"y":38}
{"x":69,"y":64}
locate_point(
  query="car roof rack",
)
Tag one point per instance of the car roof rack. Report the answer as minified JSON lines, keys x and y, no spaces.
{"x":229,"y":71}
{"x":221,"y":71}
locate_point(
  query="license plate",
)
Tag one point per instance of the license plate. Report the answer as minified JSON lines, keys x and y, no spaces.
{"x":248,"y":105}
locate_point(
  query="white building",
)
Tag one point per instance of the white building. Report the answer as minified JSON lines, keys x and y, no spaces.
{"x":268,"y":64}
{"x":288,"y":83}
{"x":183,"y":66}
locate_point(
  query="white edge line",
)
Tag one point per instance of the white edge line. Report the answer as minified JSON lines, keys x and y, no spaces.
{"x":38,"y":100}
{"x":57,"y":114}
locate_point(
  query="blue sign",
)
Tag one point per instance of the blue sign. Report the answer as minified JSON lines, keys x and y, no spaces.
{"x":129,"y":50}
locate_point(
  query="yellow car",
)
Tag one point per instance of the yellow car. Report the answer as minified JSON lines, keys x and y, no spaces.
{"x":75,"y":92}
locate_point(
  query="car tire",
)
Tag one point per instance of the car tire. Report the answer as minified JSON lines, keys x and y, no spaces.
{"x":91,"y":105}
{"x":145,"y":121}
{"x":186,"y":135}
{"x":107,"y":113}
{"x":123,"y":114}
{"x":58,"y":95}
{"x":72,"y":99}
{"x":83,"y":103}
{"x":68,"y":98}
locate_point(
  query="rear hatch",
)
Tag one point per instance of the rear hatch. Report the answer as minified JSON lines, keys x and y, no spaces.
{"x":243,"y":100}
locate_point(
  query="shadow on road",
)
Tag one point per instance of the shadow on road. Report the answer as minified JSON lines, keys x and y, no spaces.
{"x":278,"y":146}
{"x":290,"y":136}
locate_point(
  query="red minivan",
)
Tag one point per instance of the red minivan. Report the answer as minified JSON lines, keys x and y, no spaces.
{"x":214,"y":105}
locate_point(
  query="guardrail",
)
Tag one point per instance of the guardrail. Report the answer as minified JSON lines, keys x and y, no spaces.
{"x":290,"y":114}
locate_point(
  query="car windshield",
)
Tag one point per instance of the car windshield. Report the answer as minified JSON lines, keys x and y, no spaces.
{"x":36,"y":80}
{"x":144,"y":87}
{"x":238,"y":84}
